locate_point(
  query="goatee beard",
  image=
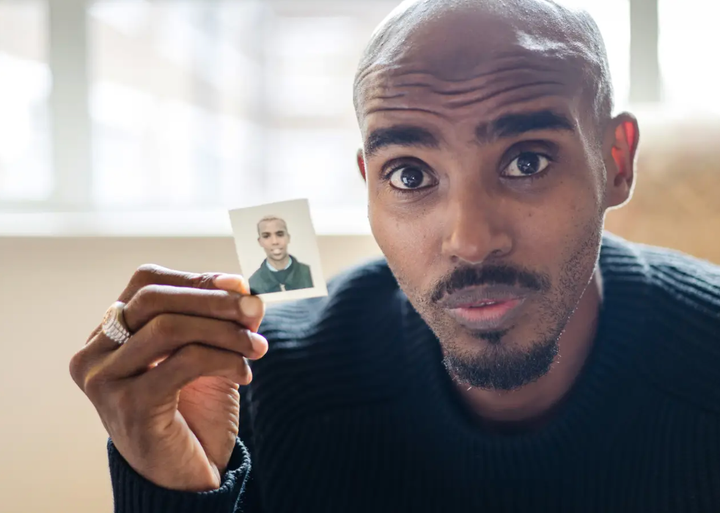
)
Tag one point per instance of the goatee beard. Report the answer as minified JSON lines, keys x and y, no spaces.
{"x":500,"y":368}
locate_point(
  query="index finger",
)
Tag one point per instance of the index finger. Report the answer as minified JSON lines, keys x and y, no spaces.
{"x":154,"y":300}
{"x":151,"y":274}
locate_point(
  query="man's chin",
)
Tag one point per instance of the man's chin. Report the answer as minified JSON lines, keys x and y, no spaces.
{"x":494,"y":338}
{"x":498,"y":365}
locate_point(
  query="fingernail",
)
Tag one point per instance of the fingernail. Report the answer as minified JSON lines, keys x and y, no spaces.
{"x":252,"y":306}
{"x":231,"y":283}
{"x":259,"y":343}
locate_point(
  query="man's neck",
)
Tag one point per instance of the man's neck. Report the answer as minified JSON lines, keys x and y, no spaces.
{"x":532,"y":405}
{"x":280,"y":265}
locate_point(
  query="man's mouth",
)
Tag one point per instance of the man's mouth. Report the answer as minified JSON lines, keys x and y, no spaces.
{"x":485,"y":309}
{"x":487,"y":316}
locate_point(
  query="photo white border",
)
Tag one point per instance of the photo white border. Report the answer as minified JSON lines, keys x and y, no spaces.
{"x":292,"y":211}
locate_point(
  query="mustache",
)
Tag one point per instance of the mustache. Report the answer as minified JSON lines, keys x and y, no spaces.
{"x":469,"y":276}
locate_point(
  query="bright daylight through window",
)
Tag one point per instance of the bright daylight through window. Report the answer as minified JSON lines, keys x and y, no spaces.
{"x":197,"y":106}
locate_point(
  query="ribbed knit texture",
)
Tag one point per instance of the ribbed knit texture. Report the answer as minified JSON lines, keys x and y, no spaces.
{"x":352,"y":410}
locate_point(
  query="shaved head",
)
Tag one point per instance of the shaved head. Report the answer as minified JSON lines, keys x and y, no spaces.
{"x":457,"y":40}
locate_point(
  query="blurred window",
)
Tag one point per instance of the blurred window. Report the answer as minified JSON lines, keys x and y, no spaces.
{"x":204,"y":104}
{"x":688,"y":50}
{"x":25,"y":160}
{"x":613,"y":20}
{"x":208,"y":104}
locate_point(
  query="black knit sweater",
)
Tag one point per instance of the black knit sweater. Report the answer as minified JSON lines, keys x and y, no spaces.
{"x":352,"y":410}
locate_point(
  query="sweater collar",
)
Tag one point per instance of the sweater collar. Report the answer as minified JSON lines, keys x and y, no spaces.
{"x":272,"y":269}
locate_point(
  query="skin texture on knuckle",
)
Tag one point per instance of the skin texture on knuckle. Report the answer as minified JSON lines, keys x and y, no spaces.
{"x":190,"y":354}
{"x":238,"y":337}
{"x":96,"y":384}
{"x":147,"y":299}
{"x":163,"y":327}
{"x":222,"y":304}
{"x":236,"y":369}
{"x":76,"y":368}
{"x":202,"y":281}
{"x":149,"y":294}
{"x":88,"y":373}
{"x":243,"y":373}
{"x":190,"y":360}
{"x":126,"y":411}
{"x":195,"y":360}
{"x":147,"y":270}
{"x":145,"y":275}
{"x":124,"y":400}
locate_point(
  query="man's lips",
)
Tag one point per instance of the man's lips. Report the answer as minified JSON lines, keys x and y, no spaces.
{"x":484,"y":309}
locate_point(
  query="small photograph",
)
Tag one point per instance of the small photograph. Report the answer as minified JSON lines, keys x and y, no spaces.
{"x":277,"y":249}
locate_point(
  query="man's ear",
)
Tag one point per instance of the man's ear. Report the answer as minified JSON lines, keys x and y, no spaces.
{"x":622,"y":137}
{"x":361,"y":163}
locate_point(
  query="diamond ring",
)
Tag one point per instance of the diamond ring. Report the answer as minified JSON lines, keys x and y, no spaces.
{"x":113,"y":324}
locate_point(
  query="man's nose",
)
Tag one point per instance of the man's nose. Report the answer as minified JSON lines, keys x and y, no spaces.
{"x":474,"y":228}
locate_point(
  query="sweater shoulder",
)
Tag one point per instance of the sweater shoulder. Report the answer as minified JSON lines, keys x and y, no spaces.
{"x":355,"y":290}
{"x":686,"y":295}
{"x":683,"y":349}
{"x":333,"y":351}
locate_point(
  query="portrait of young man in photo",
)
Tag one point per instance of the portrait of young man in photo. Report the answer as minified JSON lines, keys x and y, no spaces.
{"x":505,"y":353}
{"x":280,"y":271}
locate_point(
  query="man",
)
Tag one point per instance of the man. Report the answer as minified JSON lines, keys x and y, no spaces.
{"x":280,"y":271}
{"x":506,"y":356}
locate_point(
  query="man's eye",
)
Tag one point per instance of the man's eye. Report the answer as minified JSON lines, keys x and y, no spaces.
{"x":526,"y":164}
{"x":409,"y":177}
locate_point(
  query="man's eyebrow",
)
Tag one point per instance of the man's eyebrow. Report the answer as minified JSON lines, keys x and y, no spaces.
{"x":512,"y":125}
{"x":400,"y":135}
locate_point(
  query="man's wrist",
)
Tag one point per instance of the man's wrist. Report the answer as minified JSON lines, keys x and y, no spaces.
{"x":135,"y":494}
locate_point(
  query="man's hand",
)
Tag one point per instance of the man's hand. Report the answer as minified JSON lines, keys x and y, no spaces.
{"x":169,"y":397}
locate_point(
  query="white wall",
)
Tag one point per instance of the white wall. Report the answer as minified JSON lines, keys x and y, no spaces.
{"x":53,"y":292}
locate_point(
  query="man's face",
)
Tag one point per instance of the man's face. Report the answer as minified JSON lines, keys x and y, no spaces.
{"x":486,"y":195}
{"x":274,"y":239}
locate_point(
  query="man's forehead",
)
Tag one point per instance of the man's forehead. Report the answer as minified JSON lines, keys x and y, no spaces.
{"x":482,"y":105}
{"x":446,"y":60}
{"x":405,"y":83}
{"x":484,"y":76}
